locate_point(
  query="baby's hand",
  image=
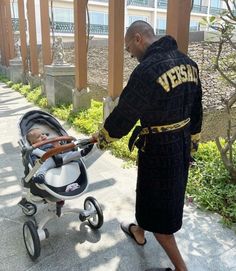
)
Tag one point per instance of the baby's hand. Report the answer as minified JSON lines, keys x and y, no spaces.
{"x":56,"y":144}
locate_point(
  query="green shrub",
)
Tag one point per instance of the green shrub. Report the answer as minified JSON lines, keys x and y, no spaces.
{"x":43,"y":102}
{"x":4,"y":79}
{"x":24,"y":90}
{"x":9,"y":83}
{"x":209,"y":183}
{"x":88,"y":121}
{"x":61,"y":111}
{"x":17,"y":86}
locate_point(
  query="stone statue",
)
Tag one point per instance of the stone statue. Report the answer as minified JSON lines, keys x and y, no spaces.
{"x":17,"y":47}
{"x":58,"y":52}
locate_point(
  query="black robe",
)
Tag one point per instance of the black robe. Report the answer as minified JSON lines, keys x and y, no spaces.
{"x":163,"y":89}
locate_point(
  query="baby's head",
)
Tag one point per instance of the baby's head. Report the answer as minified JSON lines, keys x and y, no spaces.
{"x":35,"y":135}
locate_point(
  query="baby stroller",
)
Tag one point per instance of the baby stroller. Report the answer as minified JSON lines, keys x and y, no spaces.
{"x":54,"y":191}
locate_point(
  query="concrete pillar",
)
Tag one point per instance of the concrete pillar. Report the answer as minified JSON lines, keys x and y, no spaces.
{"x":59,"y":82}
{"x":34,"y":69}
{"x":16,"y":70}
{"x":178,"y":18}
{"x":80,"y":97}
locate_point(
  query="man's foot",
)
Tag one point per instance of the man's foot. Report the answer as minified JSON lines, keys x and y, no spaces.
{"x":127,"y":228}
{"x":39,"y":179}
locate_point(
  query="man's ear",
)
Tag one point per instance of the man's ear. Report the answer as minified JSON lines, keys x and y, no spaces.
{"x":138,"y":37}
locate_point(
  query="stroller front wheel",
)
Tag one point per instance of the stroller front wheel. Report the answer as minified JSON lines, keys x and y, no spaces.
{"x":31,"y":239}
{"x":96,"y":217}
{"x":29,"y":209}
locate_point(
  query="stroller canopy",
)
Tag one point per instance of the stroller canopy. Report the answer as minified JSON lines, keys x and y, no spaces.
{"x":34,"y":117}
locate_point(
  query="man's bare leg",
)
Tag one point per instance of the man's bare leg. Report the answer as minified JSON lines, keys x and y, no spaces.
{"x":167,"y":241}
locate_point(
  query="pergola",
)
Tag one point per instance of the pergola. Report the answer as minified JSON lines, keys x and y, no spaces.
{"x":178,"y":17}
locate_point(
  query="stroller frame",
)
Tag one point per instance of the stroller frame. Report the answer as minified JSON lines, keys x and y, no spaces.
{"x":34,"y":232}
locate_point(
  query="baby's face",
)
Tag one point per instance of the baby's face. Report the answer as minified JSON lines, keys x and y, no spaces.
{"x":38,"y":136}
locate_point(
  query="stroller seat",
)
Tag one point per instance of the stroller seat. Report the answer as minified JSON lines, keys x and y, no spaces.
{"x":59,"y":180}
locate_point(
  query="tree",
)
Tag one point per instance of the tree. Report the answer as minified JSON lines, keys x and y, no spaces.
{"x":224,"y":26}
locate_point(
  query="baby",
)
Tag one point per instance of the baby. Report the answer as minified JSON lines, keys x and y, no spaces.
{"x":36,"y":135}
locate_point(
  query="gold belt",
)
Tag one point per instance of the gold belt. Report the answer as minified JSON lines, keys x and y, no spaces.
{"x":139,"y":131}
{"x":164,"y":128}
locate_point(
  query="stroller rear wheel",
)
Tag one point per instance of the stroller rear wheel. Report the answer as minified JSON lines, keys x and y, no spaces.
{"x":31,"y":239}
{"x":96,"y":217}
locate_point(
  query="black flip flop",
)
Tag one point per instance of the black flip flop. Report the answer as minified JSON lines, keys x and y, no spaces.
{"x":126,"y":229}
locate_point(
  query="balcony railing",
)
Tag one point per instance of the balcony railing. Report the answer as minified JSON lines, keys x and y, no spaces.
{"x":63,"y":27}
{"x":15,"y":24}
{"x":160,"y":31}
{"x":199,"y":9}
{"x":162,"y":4}
{"x":215,"y":11}
{"x":141,"y":3}
{"x":194,"y":28}
{"x":95,"y":29}
{"x":98,"y":29}
{"x":104,"y":1}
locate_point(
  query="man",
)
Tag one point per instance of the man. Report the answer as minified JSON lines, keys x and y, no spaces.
{"x":164,"y":93}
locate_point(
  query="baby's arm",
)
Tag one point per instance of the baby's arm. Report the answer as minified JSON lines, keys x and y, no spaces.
{"x":70,"y":156}
{"x":38,"y":152}
{"x":74,"y":155}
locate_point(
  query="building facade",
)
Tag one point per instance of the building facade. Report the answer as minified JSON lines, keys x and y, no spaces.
{"x":152,"y":11}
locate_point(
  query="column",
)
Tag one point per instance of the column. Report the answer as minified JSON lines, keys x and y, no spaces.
{"x":32,"y":37}
{"x":178,"y":18}
{"x":5,"y":47}
{"x":22,"y":28}
{"x":81,"y":98}
{"x":80,"y":44}
{"x":115,"y":55}
{"x":45,"y":31}
{"x":10,"y":36}
{"x":2,"y":40}
{"x":116,"y":48}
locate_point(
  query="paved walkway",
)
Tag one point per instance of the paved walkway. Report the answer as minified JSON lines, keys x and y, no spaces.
{"x":205,"y":244}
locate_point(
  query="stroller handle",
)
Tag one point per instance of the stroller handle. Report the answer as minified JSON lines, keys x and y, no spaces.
{"x":82,"y":143}
{"x":52,"y":140}
{"x":57,"y":150}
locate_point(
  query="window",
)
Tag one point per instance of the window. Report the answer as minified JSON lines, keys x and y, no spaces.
{"x":198,"y":2}
{"x":215,"y":3}
{"x":134,"y":18}
{"x":98,"y":18}
{"x":194,"y":26}
{"x":14,"y":10}
{"x":62,"y":15}
{"x":161,"y":24}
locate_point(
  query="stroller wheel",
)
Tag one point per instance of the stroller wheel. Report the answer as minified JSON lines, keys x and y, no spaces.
{"x":29,"y":209}
{"x":31,"y":239}
{"x":96,"y":217}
